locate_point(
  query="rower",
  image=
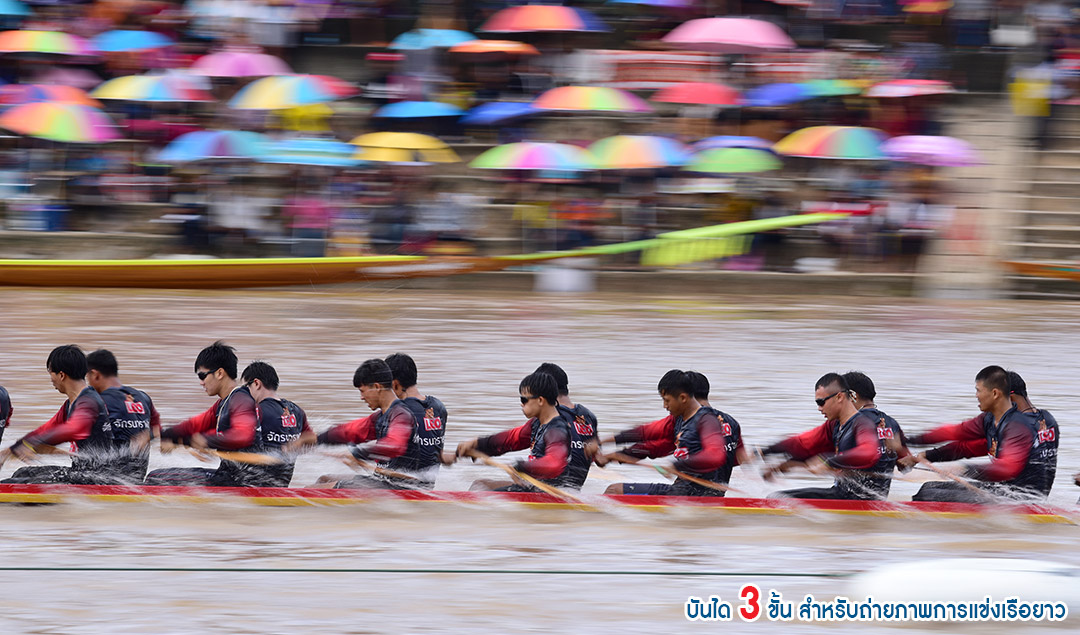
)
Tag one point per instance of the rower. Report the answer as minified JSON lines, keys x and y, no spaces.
{"x":5,"y":411}
{"x":847,"y":445}
{"x":706,"y":443}
{"x":230,"y":424}
{"x":1020,"y":440}
{"x":82,"y":419}
{"x":554,"y":458}
{"x":133,"y":419}
{"x":583,"y":420}
{"x":864,"y":393}
{"x":280,"y":422}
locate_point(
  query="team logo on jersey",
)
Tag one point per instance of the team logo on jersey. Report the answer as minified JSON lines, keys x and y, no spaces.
{"x":681,"y":453}
{"x":884,"y":433}
{"x":431,"y":422}
{"x":582,"y":426}
{"x":1047,"y":435}
{"x":288,"y":420}
{"x":726,"y":429}
{"x":134,"y":407}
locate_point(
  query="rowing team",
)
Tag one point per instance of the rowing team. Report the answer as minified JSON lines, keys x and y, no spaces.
{"x":258,"y":434}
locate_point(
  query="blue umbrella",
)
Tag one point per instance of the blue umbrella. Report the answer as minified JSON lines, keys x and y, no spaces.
{"x":13,"y":8}
{"x":418,"y":110}
{"x":496,"y":112}
{"x":214,"y":144}
{"x":423,"y":39}
{"x":776,"y":95}
{"x":121,"y":41}
{"x":311,"y":151}
{"x":732,"y":141}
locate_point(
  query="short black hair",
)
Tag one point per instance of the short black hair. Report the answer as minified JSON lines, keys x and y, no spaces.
{"x":1017,"y":385}
{"x":263,"y":372}
{"x":860,"y":384}
{"x":68,"y":359}
{"x":699,"y":384}
{"x":994,"y":377}
{"x":540,"y":385}
{"x":373,"y":372}
{"x":403,"y":368}
{"x":828,"y":379}
{"x":562,"y":382}
{"x":104,"y":362}
{"x":218,"y":355}
{"x":675,"y":382}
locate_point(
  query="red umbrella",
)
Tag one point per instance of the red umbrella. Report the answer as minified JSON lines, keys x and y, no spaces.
{"x":699,"y":93}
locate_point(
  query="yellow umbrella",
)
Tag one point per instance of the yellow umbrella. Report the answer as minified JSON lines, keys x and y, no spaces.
{"x":311,"y":118}
{"x":403,"y":147}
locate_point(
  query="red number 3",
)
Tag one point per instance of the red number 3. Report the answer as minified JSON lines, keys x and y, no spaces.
{"x":751,"y":595}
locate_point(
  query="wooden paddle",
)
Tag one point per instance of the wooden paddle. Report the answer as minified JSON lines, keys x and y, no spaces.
{"x":250,"y":458}
{"x":522,"y":477}
{"x":949,"y":475}
{"x":619,"y":457}
{"x":356,"y":463}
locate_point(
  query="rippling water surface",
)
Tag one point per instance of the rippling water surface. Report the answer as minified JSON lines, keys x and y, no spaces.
{"x":762,"y":356}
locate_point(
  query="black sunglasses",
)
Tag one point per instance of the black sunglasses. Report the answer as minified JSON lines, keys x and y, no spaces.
{"x":821,"y":402}
{"x":202,"y":375}
{"x":525,"y":400}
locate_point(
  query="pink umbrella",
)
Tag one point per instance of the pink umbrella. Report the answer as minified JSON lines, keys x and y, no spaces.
{"x":729,"y":35}
{"x":77,"y":77}
{"x":946,"y":152}
{"x":239,"y":63}
{"x":699,"y":93}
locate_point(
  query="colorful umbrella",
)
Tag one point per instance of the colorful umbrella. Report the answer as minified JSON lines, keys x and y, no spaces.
{"x":734,"y":161}
{"x":529,"y":18}
{"x":68,"y":123}
{"x":423,"y":39}
{"x":507,"y":48}
{"x":832,"y":87}
{"x":214,"y":145}
{"x":699,"y":93}
{"x":152,"y":88}
{"x":926,"y":7}
{"x":527,"y":155}
{"x":287,"y":91}
{"x":66,"y":76}
{"x":311,"y":151}
{"x":44,"y":42}
{"x":910,"y":88}
{"x":931,"y":150}
{"x":667,"y":4}
{"x":590,"y":98}
{"x":496,"y":112}
{"x":13,"y":8}
{"x":239,"y":63}
{"x":418,"y":110}
{"x":123,"y":40}
{"x":403,"y":147}
{"x":638,"y":152}
{"x":732,"y":141}
{"x":28,"y":93}
{"x":730,"y":35}
{"x":833,"y":142}
{"x":781,"y":94}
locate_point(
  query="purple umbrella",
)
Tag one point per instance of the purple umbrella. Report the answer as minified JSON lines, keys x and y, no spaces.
{"x":946,"y":152}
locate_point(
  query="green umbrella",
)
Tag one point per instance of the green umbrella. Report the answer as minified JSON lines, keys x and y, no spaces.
{"x":832,"y":87}
{"x":734,"y":161}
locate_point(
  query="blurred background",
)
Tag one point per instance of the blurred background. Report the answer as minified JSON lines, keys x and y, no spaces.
{"x":945,"y":131}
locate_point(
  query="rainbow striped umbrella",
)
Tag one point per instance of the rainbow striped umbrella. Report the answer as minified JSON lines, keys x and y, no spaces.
{"x":591,"y":98}
{"x":123,"y":40}
{"x":833,"y":142}
{"x":311,"y":151}
{"x":528,"y":18}
{"x":734,"y":161}
{"x":28,"y":93}
{"x":239,"y":63}
{"x":152,"y":88}
{"x":732,"y":141}
{"x":288,"y":91}
{"x":214,"y":144}
{"x":910,"y":88}
{"x":528,"y":155}
{"x":508,"y":48}
{"x":67,"y":123}
{"x":638,"y":152}
{"x":832,"y":87}
{"x":45,"y":42}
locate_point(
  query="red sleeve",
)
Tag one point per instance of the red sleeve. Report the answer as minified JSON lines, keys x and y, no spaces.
{"x":866,"y":451}
{"x":396,"y":441}
{"x":556,"y":454}
{"x":243,"y":421}
{"x":651,"y":449}
{"x":964,"y":431}
{"x":1012,"y":456}
{"x":359,"y":430}
{"x":58,"y":430}
{"x":511,"y":440}
{"x":197,"y":424}
{"x":659,"y":430}
{"x":957,"y":450}
{"x":800,"y":447}
{"x":712,"y":455}
{"x":155,"y":420}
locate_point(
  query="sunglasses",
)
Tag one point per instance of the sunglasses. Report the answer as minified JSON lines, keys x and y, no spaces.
{"x":525,"y":400}
{"x":202,"y":375}
{"x":821,"y":402}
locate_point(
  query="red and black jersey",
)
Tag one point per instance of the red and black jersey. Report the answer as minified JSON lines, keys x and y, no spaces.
{"x":1022,"y":446}
{"x":553,"y":457}
{"x":582,"y":419}
{"x":402,"y":441}
{"x":230,"y":424}
{"x":83,"y":423}
{"x":280,"y":421}
{"x":699,"y":444}
{"x":5,"y":410}
{"x":130,"y":412}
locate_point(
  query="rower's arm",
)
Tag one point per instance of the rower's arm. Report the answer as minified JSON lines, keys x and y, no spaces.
{"x":359,"y":430}
{"x":183,"y":431}
{"x":241,"y":433}
{"x":969,"y":430}
{"x":805,"y":445}
{"x":395,"y":443}
{"x":713,"y":455}
{"x":659,"y":429}
{"x":56,"y":430}
{"x":865,"y":453}
{"x":511,"y":440}
{"x":555,"y":458}
{"x":956,"y":450}
{"x":1012,"y":457}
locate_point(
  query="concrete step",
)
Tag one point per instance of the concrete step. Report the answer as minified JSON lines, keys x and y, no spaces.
{"x":1057,"y":157}
{"x":1051,"y":172}
{"x":1053,"y":188}
{"x":1040,"y":202}
{"x":1067,"y":126}
{"x":1036,"y":288}
{"x":1062,"y":140}
{"x":1047,"y":219}
{"x":1031,"y":250}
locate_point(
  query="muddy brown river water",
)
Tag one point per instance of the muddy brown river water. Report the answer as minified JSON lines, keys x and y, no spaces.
{"x":265,"y":570}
